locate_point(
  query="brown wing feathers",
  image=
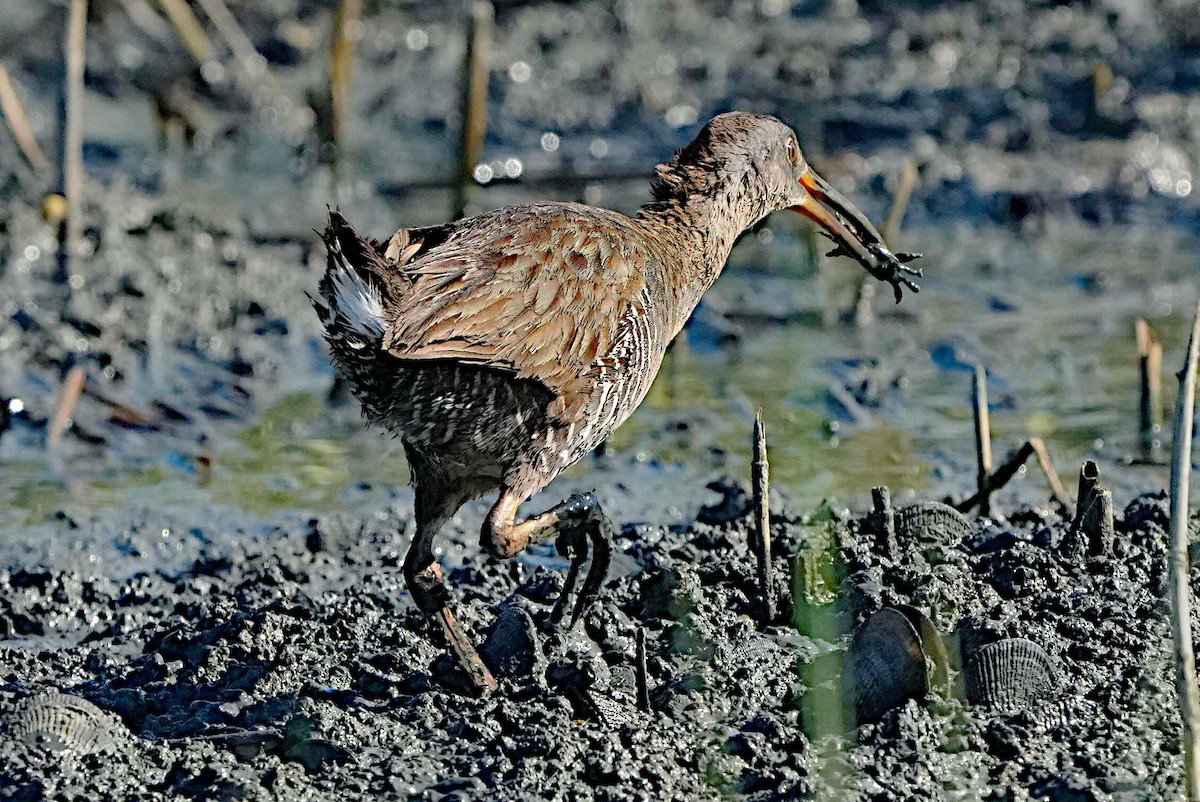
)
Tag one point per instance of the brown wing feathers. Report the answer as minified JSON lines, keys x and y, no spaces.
{"x":539,"y":298}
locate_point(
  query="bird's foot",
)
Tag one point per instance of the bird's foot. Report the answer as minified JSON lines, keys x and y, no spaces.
{"x":584,"y":532}
{"x":429,"y":591}
{"x":464,"y":652}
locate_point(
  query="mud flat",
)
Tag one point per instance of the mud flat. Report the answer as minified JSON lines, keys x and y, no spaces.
{"x":289,"y":664}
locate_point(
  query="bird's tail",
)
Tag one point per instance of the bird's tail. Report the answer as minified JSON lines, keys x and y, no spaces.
{"x":351,"y":293}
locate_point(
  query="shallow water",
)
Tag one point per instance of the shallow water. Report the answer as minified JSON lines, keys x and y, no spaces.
{"x":847,"y":407}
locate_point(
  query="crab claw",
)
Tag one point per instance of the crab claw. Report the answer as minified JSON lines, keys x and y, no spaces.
{"x":853,"y":233}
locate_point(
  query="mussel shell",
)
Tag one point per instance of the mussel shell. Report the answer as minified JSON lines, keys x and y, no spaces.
{"x":58,"y":722}
{"x":937,"y":658}
{"x":886,"y":664}
{"x":932,"y":522}
{"x":1010,"y":674}
{"x":511,"y":650}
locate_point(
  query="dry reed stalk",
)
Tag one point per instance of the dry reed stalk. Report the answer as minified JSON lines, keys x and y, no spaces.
{"x":68,"y":399}
{"x":1178,"y":565}
{"x":18,"y":121}
{"x":1150,"y":411}
{"x":75,"y":46}
{"x":983,"y":437}
{"x":341,"y":65}
{"x":473,"y":103}
{"x":191,"y":33}
{"x":760,"y":470}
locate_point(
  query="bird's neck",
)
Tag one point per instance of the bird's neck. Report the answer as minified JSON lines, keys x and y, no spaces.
{"x":698,"y":229}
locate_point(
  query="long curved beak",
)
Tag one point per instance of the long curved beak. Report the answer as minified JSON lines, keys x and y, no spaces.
{"x":853,"y":233}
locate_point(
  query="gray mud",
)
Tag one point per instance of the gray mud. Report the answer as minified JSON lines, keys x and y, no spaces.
{"x":210,"y":556}
{"x":292,"y":665}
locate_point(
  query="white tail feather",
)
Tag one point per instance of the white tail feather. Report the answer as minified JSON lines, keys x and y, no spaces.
{"x":354,"y":300}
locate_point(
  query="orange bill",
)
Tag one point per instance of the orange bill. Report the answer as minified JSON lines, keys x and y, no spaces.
{"x":853,"y":233}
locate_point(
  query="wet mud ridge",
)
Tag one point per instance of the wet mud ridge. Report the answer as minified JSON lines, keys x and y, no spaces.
{"x":914,"y":655}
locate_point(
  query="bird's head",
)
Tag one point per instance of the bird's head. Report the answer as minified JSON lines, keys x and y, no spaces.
{"x":757,"y":159}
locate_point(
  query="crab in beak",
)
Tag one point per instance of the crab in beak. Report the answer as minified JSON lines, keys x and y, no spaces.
{"x":853,"y":234}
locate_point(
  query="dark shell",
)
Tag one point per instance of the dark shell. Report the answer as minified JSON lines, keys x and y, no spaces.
{"x":511,"y":650}
{"x":886,"y":664}
{"x":58,"y":722}
{"x":932,"y":522}
{"x":1010,"y":674}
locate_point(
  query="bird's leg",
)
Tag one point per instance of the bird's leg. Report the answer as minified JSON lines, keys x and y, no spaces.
{"x":581,"y":527}
{"x":423,"y":576}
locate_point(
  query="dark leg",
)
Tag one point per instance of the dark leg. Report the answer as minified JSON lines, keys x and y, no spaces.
{"x":423,"y":575}
{"x":581,"y":527}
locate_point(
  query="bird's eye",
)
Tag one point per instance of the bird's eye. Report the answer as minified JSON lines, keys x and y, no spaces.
{"x":793,"y":152}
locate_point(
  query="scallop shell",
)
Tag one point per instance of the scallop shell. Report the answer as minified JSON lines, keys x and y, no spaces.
{"x":610,"y":712}
{"x":932,"y":522}
{"x":1010,"y":674}
{"x":58,"y":722}
{"x":886,"y":664}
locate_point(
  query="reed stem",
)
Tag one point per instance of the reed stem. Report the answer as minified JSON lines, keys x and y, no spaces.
{"x":473,"y":105}
{"x":191,"y":33}
{"x":983,"y":438}
{"x":341,"y":65}
{"x":75,"y":46}
{"x":1178,"y":566}
{"x":18,"y":121}
{"x":760,"y":476}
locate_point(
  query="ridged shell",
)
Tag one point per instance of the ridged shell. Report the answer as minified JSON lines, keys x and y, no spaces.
{"x":1010,"y":674}
{"x":58,"y":722}
{"x":610,"y":712}
{"x":932,"y":522}
{"x":886,"y":664}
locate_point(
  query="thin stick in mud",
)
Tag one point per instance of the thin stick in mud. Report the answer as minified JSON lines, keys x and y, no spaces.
{"x":760,"y":471}
{"x":18,"y":121}
{"x":473,"y":103}
{"x":1150,"y":413}
{"x":983,"y":437}
{"x":1089,"y":477}
{"x":72,"y":389}
{"x":1178,"y":565}
{"x":1011,"y":466}
{"x":895,"y":214}
{"x":1047,"y":465}
{"x":1096,"y":522}
{"x":74,"y":45}
{"x":642,"y":679}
